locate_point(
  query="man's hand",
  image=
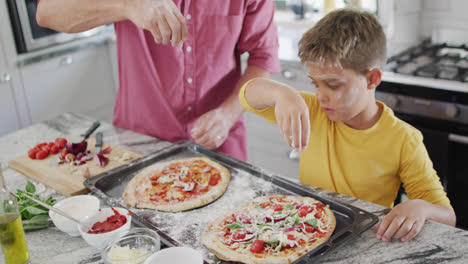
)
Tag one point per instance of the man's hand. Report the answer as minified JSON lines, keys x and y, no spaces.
{"x":212,"y":128}
{"x":292,"y":115}
{"x":161,"y":17}
{"x":404,"y":222}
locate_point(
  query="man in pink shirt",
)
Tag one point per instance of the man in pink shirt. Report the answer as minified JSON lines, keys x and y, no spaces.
{"x":186,"y":90}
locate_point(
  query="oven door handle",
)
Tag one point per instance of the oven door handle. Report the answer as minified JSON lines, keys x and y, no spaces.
{"x":458,"y":139}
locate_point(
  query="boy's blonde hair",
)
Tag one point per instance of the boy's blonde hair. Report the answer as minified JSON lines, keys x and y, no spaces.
{"x":347,"y":38}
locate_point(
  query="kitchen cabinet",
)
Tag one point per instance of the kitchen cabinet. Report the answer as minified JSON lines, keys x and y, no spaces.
{"x":9,"y":119}
{"x":267,"y":147}
{"x":80,"y":81}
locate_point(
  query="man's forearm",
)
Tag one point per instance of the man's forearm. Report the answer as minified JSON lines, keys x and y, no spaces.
{"x":232,"y":102}
{"x":73,"y":16}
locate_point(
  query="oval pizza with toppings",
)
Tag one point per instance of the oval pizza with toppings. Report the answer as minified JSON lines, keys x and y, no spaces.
{"x":270,"y":230}
{"x":177,"y":185}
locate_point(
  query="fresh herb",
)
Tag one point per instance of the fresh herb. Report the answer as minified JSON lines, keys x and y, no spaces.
{"x":294,"y":214}
{"x":272,"y":243}
{"x":262,"y":225}
{"x":258,"y":207}
{"x":288,"y":206}
{"x":236,"y":225}
{"x":312,"y":222}
{"x":33,"y":215}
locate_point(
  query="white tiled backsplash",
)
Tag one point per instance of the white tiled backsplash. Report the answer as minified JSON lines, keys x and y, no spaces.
{"x":408,"y":22}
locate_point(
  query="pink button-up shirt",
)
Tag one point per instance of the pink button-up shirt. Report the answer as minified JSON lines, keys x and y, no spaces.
{"x":164,"y":90}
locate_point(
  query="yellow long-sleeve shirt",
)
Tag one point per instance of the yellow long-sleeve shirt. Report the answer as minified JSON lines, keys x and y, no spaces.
{"x":367,"y":164}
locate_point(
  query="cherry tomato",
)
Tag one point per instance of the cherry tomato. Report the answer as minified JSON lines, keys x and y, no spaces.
{"x":308,"y":228}
{"x":51,"y":144}
{"x":61,"y":142}
{"x":54,"y":149}
{"x":63,"y":153}
{"x":32,"y":153}
{"x":265,"y":204}
{"x":292,"y":238}
{"x":318,"y":215}
{"x":257,"y":246}
{"x":214,"y":179}
{"x":41,"y":154}
{"x":40,"y":145}
{"x":277,"y":207}
{"x":239,"y":234}
{"x":304,"y":210}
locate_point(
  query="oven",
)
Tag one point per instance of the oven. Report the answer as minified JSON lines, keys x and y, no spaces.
{"x":29,"y":36}
{"x":427,"y":86}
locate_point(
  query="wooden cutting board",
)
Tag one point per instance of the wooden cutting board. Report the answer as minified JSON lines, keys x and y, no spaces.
{"x":67,"y":179}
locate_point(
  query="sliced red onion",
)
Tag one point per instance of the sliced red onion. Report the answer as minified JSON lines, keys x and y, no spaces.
{"x":106,"y":150}
{"x":76,"y":148}
{"x":278,"y":218}
{"x":100,"y":160}
{"x":292,"y":228}
{"x":298,"y":206}
{"x":248,"y":237}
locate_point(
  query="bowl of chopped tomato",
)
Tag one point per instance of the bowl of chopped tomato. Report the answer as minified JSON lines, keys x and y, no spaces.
{"x":105,"y":226}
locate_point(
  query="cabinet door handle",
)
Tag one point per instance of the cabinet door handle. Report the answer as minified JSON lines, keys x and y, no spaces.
{"x":289,"y":75}
{"x":458,"y":139}
{"x":66,"y":60}
{"x":6,"y":77}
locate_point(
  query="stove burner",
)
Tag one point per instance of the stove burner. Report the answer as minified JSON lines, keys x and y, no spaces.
{"x":438,"y":61}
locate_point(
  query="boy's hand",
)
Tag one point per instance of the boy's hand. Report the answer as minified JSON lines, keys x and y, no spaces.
{"x":292,"y":115}
{"x":404,"y":222}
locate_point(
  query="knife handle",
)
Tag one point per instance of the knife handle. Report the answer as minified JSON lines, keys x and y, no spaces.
{"x":90,"y":130}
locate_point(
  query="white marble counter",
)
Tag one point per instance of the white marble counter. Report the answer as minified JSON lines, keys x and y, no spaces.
{"x":435,"y":244}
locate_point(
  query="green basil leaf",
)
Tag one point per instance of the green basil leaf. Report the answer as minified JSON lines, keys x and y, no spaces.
{"x":312,"y":222}
{"x":272,"y":243}
{"x":288,"y":206}
{"x":236,"y":225}
{"x":30,"y":187}
{"x":258,"y":207}
{"x":35,"y":211}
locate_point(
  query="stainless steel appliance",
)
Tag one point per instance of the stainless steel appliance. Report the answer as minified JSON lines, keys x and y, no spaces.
{"x":427,"y":86}
{"x":29,"y":36}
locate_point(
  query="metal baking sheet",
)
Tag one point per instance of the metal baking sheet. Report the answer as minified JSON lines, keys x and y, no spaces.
{"x":247,"y":182}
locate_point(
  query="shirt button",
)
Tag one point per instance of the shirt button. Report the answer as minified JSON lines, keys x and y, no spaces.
{"x":189,"y":80}
{"x":189,"y":17}
{"x":189,"y":48}
{"x":189,"y":108}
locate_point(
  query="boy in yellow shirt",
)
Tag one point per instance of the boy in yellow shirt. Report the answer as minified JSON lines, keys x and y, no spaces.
{"x":351,"y":143}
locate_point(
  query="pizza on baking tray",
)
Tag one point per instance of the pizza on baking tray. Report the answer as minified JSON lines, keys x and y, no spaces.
{"x":177,"y":185}
{"x":270,"y":229}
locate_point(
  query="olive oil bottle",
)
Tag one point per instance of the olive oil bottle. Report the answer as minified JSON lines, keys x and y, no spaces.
{"x":12,"y":237}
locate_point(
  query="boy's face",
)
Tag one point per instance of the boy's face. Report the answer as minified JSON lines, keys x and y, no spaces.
{"x":343,"y":94}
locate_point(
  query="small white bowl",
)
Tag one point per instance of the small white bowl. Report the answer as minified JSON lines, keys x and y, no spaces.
{"x":101,"y":240}
{"x":134,"y":247}
{"x":176,"y":255}
{"x":77,"y":206}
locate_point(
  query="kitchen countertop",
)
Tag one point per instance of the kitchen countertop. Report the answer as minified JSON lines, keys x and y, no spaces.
{"x":436,"y":243}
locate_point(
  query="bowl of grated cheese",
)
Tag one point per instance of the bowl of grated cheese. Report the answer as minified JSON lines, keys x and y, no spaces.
{"x":132,"y":248}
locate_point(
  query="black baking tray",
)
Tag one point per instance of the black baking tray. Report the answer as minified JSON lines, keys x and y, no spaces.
{"x":247,"y":182}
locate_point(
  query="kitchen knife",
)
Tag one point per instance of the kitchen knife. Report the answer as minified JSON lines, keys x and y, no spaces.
{"x":98,"y":146}
{"x":88,"y":132}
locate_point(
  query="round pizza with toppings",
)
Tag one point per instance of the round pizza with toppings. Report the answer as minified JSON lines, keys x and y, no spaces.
{"x":270,"y":230}
{"x":177,"y":185}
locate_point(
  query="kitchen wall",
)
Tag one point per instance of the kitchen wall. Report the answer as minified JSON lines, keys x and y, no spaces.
{"x":407,"y":23}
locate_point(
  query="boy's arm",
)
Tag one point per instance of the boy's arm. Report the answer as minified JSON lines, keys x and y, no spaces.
{"x":406,"y":220}
{"x":291,"y":112}
{"x":161,"y":17}
{"x":428,"y":200}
